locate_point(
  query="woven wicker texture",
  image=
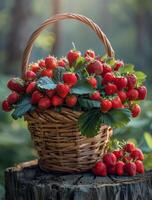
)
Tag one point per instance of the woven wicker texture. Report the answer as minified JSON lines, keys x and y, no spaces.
{"x":59,"y":144}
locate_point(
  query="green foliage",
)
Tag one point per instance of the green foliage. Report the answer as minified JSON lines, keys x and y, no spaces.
{"x":79,"y":63}
{"x":126,"y":68}
{"x":58,"y":73}
{"x":46,"y":83}
{"x":141,"y":77}
{"x":89,"y":104}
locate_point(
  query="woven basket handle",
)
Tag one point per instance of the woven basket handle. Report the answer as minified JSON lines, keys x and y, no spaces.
{"x":26,"y":54}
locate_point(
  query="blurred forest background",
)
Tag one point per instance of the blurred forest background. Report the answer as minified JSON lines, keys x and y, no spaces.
{"x":128,"y":25}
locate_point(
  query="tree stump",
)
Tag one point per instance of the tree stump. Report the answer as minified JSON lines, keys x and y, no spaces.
{"x":28,"y":182}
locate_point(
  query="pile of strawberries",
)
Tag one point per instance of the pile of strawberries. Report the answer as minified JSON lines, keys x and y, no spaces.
{"x":125,"y":161}
{"x":115,"y":90}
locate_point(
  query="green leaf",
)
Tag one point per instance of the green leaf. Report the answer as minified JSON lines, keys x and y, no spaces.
{"x":79,"y":64}
{"x":128,"y":68}
{"x":148,"y":139}
{"x":87,"y":103}
{"x":99,"y":80}
{"x":140,"y":77}
{"x":82,"y":87}
{"x":58,"y":73}
{"x":22,"y":107}
{"x":110,"y":61}
{"x":46,"y":83}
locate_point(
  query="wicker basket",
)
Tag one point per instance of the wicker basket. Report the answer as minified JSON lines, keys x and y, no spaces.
{"x":59,"y":143}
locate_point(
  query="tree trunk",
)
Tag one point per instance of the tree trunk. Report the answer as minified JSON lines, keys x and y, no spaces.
{"x":20,"y":16}
{"x":27,"y":182}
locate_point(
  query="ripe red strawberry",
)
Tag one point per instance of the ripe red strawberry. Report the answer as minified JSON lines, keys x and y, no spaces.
{"x":62,"y":90}
{"x":95,"y":95}
{"x":30,"y":75}
{"x":35,"y":67}
{"x":6,"y":106}
{"x":95,"y":67}
{"x":106,"y":69}
{"x":119,"y":168}
{"x":100,"y":169}
{"x":42,"y":63}
{"x":72,"y":56}
{"x":132,"y":94}
{"x":62,"y":62}
{"x":44,"y":103}
{"x":118,"y":64}
{"x":56,"y":100}
{"x":111,"y":170}
{"x":116,"y":103}
{"x":51,"y":62}
{"x":137,"y":154}
{"x":47,"y":72}
{"x":17,"y":85}
{"x":139,"y":167}
{"x":13,"y":98}
{"x":122,"y":95}
{"x":132,"y":79}
{"x":121,"y":82}
{"x":50,"y":93}
{"x":70,"y":78}
{"x":36,"y":96}
{"x":109,"y":159}
{"x":90,"y":53}
{"x":118,"y":153}
{"x":109,"y":77}
{"x":142,"y":91}
{"x":110,"y":88}
{"x":129,"y":147}
{"x":31,"y":87}
{"x":106,"y":105}
{"x":92,"y":81}
{"x":71,"y":100}
{"x":130,"y":169}
{"x":135,"y":110}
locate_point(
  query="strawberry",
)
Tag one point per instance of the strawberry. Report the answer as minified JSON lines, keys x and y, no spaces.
{"x":62,"y":62}
{"x":47,"y":72}
{"x":129,"y":147}
{"x":132,"y":94}
{"x":106,"y":69}
{"x":62,"y":90}
{"x":16,"y":84}
{"x":121,"y":82}
{"x":130,"y":169}
{"x":142,"y":92}
{"x":131,"y":81}
{"x":122,"y":95}
{"x":110,"y":88}
{"x":118,"y":153}
{"x":31,"y":87}
{"x":42,"y":63}
{"x":70,"y":78}
{"x":139,"y":167}
{"x":106,"y":105}
{"x":36,"y":96}
{"x":92,"y":81}
{"x":109,"y":159}
{"x":100,"y":169}
{"x":119,"y":168}
{"x":6,"y":106}
{"x":95,"y":95}
{"x":71,"y":100}
{"x":90,"y":53}
{"x":137,"y":154}
{"x":72,"y":56}
{"x":50,"y":93}
{"x":118,"y":64}
{"x":95,"y":67}
{"x":109,"y":77}
{"x":51,"y":62}
{"x":116,"y":103}
{"x":13,"y":98}
{"x":135,"y":110}
{"x":35,"y":67}
{"x":56,"y":100}
{"x":30,"y":75}
{"x":44,"y":103}
{"x":111,"y":170}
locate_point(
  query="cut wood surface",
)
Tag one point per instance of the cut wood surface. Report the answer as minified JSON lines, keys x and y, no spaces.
{"x":27,"y":181}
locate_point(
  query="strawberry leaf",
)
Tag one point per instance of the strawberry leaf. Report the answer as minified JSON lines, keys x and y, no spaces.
{"x":89,"y":104}
{"x":46,"y":83}
{"x":128,"y":68}
{"x":79,"y":64}
{"x":22,"y":107}
{"x":141,"y":77}
{"x":58,"y":74}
